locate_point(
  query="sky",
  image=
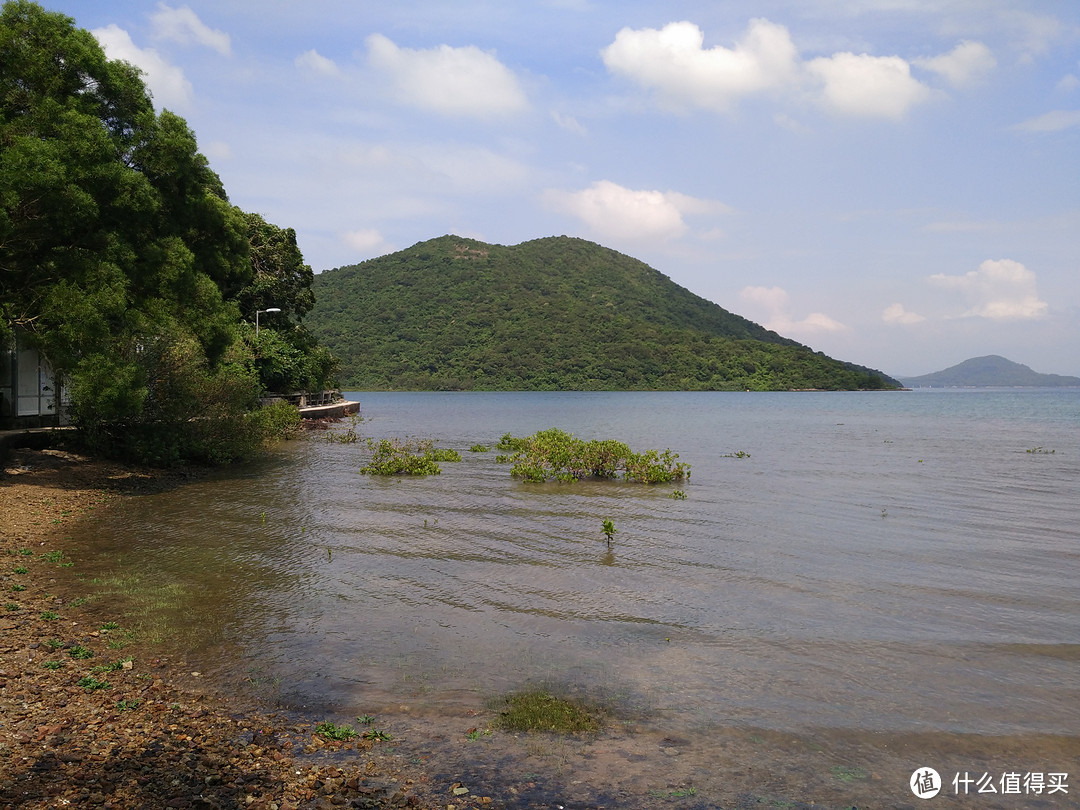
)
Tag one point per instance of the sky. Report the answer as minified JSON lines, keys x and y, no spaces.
{"x":895,"y":183}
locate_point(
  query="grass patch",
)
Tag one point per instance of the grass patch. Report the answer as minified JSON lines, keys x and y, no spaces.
{"x":537,"y":710}
{"x":332,"y":731}
{"x":90,"y":684}
{"x":847,"y":774}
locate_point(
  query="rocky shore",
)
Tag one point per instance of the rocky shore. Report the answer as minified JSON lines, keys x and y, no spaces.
{"x":90,"y":716}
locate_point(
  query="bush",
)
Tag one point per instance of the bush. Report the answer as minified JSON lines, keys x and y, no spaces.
{"x":395,"y":457}
{"x":556,"y":454}
{"x":277,"y":421}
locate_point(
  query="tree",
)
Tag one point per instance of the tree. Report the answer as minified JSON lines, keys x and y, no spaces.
{"x":121,"y":257}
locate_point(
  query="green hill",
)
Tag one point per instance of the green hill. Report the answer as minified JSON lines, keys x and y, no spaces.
{"x":556,"y":313}
{"x":992,"y":370}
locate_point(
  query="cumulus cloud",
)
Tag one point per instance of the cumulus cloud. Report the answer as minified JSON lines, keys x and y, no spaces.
{"x":184,"y":26}
{"x":772,"y":307}
{"x":368,"y":241}
{"x":451,"y":81}
{"x":675,"y":65}
{"x":868,"y":86}
{"x":964,"y":65}
{"x":999,"y":290}
{"x":167,"y":82}
{"x":315,"y":62}
{"x":895,"y":313}
{"x":613,"y":211}
{"x":1054,"y":121}
{"x":674,"y":62}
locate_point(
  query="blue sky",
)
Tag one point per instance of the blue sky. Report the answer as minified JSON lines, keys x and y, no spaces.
{"x":893,"y":182}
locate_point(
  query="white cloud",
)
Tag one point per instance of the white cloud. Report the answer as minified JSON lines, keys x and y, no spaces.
{"x":1068,"y":83}
{"x":184,"y":26}
{"x":217,"y":150}
{"x":999,"y":290}
{"x":1053,"y":121}
{"x":674,"y":62}
{"x":868,"y":86}
{"x":315,"y":62}
{"x":964,"y":65}
{"x":167,"y":82}
{"x":450,"y":81}
{"x":896,"y":313}
{"x":569,"y":123}
{"x":368,"y":241}
{"x":771,"y":307}
{"x":615,"y":212}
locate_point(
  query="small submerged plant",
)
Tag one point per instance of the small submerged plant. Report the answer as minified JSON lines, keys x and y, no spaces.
{"x":537,"y":710}
{"x":609,"y":531}
{"x":678,"y":495}
{"x":1039,"y":451}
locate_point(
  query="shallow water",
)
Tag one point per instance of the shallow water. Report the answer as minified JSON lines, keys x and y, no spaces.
{"x":890,"y":562}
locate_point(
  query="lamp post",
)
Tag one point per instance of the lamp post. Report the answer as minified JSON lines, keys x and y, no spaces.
{"x":271,"y":309}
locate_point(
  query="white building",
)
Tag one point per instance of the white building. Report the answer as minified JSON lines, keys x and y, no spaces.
{"x":29,"y":392}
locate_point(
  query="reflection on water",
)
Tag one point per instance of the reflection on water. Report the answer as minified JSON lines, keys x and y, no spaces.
{"x":878,"y":561}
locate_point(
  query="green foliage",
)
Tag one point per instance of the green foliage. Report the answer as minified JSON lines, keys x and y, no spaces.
{"x":609,"y":530}
{"x":479,"y":448}
{"x":537,"y":710}
{"x":553,"y":453}
{"x":397,"y":457}
{"x":90,"y":683}
{"x":550,"y":314}
{"x":123,"y":262}
{"x":332,"y":731}
{"x":276,"y":421}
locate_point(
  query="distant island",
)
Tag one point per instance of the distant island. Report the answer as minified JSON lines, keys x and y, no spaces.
{"x":992,"y":371}
{"x":456,"y":314}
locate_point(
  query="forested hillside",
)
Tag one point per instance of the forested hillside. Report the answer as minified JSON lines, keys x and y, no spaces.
{"x":556,"y":313}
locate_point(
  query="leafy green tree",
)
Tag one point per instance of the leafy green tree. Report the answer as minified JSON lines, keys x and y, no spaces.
{"x":121,"y":257}
{"x":280,"y":277}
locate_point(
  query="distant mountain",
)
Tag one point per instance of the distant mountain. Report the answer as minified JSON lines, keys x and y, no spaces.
{"x":549,"y":314}
{"x":989,"y":371}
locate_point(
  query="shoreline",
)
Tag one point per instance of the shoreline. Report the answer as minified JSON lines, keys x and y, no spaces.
{"x":163,"y":735}
{"x":156,"y":735}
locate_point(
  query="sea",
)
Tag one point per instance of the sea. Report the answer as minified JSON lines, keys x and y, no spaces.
{"x":880,"y":561}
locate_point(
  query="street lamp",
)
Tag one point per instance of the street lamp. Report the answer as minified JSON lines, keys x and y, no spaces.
{"x":271,"y":309}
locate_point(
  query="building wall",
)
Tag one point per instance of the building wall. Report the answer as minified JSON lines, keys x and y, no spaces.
{"x":29,"y":391}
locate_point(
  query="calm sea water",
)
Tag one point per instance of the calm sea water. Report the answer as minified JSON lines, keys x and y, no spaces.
{"x":879,"y":561}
